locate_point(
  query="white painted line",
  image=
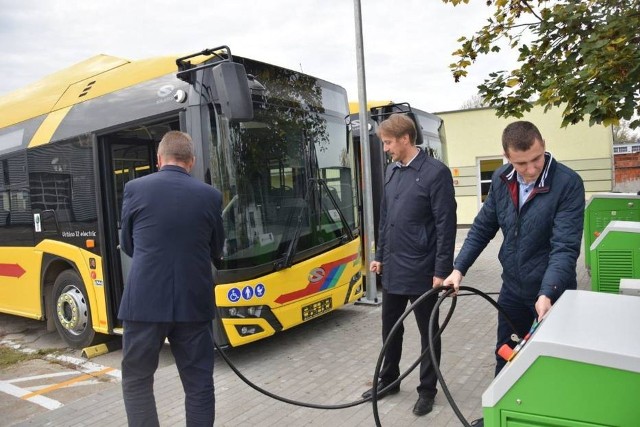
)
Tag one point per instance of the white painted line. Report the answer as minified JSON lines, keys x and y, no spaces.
{"x":33,"y":394}
{"x":38,"y":377}
{"x":85,"y":366}
{"x":78,"y":379}
{"x":78,"y":384}
{"x":18,"y":392}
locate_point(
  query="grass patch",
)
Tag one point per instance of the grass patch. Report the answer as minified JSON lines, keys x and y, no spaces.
{"x":9,"y":356}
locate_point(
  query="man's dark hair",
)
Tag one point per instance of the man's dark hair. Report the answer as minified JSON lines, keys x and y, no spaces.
{"x":520,"y":136}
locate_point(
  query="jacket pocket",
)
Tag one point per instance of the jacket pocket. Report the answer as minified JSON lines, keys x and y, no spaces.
{"x":415,"y":241}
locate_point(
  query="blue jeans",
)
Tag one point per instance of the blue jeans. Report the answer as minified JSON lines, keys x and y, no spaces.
{"x":192,"y":347}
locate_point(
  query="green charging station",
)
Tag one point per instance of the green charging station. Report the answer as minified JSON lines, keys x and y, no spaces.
{"x":615,"y":255}
{"x":603,"y":208}
{"x":580,"y":368}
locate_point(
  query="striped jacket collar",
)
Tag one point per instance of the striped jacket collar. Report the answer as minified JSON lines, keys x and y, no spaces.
{"x":541,"y":182}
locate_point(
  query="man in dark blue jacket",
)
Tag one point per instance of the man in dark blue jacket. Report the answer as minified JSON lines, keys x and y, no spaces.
{"x":415,"y":247}
{"x":172,"y":228}
{"x":538,"y":204}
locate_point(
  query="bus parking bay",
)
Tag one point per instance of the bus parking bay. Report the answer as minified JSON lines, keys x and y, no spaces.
{"x":327,"y":360}
{"x":40,"y":385}
{"x":51,"y":375}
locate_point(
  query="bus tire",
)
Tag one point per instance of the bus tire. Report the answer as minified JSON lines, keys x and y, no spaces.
{"x":71,"y":311}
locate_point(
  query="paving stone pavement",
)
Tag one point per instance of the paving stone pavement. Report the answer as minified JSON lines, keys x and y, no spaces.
{"x":330,"y":360}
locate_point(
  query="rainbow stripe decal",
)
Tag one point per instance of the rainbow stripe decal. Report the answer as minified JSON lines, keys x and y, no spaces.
{"x":326,"y":281}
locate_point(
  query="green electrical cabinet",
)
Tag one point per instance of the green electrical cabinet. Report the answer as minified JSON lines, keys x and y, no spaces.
{"x":581,"y":367}
{"x":603,"y":208}
{"x":615,"y":255}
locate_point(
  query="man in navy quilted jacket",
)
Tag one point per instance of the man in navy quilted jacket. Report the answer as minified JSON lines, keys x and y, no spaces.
{"x":538,"y":204}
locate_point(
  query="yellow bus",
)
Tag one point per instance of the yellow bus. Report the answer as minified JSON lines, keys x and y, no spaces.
{"x":274,"y":141}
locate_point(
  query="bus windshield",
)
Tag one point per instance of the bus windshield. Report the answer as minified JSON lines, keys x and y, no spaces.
{"x":286,"y":176}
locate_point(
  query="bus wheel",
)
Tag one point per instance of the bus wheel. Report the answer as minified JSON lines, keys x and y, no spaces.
{"x":71,"y":308}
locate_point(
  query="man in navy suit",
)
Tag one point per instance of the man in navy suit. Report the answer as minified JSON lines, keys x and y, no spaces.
{"x":172,"y":228}
{"x":414,"y":249}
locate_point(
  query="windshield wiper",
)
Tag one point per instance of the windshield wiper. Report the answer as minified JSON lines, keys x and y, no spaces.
{"x":343,"y":219}
{"x":287,"y":260}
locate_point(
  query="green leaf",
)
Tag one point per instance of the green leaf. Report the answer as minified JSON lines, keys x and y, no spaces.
{"x":584,"y":54}
{"x":512,"y":82}
{"x":611,"y":121}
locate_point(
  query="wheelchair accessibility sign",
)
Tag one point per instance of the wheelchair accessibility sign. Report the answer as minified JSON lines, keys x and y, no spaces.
{"x":233,"y":294}
{"x":247,"y":293}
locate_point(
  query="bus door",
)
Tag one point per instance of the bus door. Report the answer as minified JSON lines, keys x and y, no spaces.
{"x":125,"y":155}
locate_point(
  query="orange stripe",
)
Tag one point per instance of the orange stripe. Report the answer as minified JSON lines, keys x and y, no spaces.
{"x":66,"y":383}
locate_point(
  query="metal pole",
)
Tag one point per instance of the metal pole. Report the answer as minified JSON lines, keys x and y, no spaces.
{"x":371,"y":294}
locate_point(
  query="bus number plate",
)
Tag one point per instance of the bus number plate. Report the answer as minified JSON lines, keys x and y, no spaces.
{"x":316,"y":309}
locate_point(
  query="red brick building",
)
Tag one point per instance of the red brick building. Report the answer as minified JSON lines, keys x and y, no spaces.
{"x":626,"y":162}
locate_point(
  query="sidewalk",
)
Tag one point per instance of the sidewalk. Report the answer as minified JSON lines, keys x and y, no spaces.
{"x":330,"y":360}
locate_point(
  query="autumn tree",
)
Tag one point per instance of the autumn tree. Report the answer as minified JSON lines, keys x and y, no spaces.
{"x":583,"y":56}
{"x":476,"y":101}
{"x":622,"y":134}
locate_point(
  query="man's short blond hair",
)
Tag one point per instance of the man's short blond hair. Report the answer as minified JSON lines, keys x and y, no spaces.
{"x":176,"y":145}
{"x":398,"y":125}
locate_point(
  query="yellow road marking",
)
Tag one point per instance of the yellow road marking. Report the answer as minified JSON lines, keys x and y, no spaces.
{"x":66,"y":383}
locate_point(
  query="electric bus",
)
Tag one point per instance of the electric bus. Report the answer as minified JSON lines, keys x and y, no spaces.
{"x":274,"y":141}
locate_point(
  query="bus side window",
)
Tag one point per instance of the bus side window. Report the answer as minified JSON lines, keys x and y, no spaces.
{"x":16,"y":217}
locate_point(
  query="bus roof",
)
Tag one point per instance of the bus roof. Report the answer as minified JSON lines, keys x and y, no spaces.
{"x":86,"y":80}
{"x":354,"y":106}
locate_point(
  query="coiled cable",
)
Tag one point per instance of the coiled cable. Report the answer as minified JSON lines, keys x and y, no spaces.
{"x":447,"y":291}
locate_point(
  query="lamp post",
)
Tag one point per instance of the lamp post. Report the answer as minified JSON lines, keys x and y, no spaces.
{"x":371,"y":295}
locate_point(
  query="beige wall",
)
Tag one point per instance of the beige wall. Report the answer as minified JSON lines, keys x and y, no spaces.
{"x":476,"y":134}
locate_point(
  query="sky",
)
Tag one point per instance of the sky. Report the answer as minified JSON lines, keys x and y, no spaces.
{"x":408,"y":44}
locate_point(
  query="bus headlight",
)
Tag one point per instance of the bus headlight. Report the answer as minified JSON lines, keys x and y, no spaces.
{"x":245,"y":330}
{"x":243,"y":312}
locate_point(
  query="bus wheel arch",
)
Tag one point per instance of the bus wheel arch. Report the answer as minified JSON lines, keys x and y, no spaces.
{"x":52,"y":267}
{"x":70,"y":309}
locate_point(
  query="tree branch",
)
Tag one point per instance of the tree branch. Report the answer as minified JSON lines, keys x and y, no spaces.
{"x":533,"y":12}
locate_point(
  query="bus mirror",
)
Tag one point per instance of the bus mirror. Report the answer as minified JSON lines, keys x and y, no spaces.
{"x":232,"y":91}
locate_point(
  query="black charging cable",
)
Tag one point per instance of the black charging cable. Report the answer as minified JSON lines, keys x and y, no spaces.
{"x":432,"y":320}
{"x":281,"y":398}
{"x":446,"y":292}
{"x":375,"y":393}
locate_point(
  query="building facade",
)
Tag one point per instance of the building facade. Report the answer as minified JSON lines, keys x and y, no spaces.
{"x":474,"y":152}
{"x":626,"y":162}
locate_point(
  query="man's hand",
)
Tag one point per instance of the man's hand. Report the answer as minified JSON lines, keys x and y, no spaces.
{"x":454,"y":279}
{"x":543,"y":305}
{"x":376,"y":267}
{"x":437,"y":281}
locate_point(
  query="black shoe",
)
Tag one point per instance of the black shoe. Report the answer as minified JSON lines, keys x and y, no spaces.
{"x":478,"y":423}
{"x":423,"y":406}
{"x":381,"y":384}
